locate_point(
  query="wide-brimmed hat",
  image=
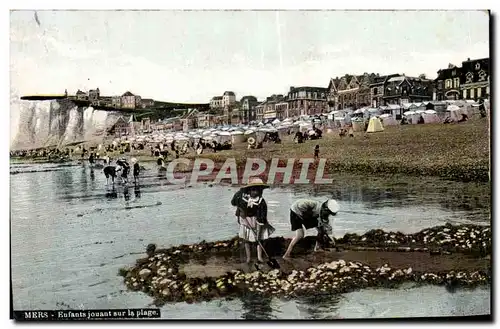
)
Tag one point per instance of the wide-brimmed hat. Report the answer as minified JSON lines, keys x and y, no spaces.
{"x":256,"y":182}
{"x":332,"y":206}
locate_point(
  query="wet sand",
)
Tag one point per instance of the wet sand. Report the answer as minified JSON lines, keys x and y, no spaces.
{"x":418,"y":261}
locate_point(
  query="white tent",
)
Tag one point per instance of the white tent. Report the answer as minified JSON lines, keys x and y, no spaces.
{"x":454,"y":112}
{"x":237,"y":137}
{"x":412,"y":117}
{"x":305,"y":126}
{"x":361,"y":110}
{"x":388,"y":120}
{"x":375,"y":125}
{"x":276,"y":121}
{"x":430,"y":116}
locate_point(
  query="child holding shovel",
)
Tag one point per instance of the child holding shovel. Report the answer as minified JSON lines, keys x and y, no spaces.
{"x":252,"y":216}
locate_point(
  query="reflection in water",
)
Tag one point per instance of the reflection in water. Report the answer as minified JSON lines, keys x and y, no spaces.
{"x":137,"y":191}
{"x":111,"y":194}
{"x":319,"y":307}
{"x":92,"y":175}
{"x":256,"y":307}
{"x":83,"y":181}
{"x":64,"y":181}
{"x":126,"y":194}
{"x":400,"y":193}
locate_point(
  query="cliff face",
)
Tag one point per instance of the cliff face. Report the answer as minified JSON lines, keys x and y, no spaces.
{"x":47,"y":123}
{"x":33,"y":124}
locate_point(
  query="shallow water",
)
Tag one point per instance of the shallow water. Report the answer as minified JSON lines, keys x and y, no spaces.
{"x":70,"y":234}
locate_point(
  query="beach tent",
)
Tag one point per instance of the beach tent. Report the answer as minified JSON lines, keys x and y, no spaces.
{"x":430,"y":116}
{"x":358,"y":124}
{"x":374,"y":125}
{"x":237,"y":137}
{"x":454,"y":112}
{"x":388,"y":120}
{"x":412,"y":117}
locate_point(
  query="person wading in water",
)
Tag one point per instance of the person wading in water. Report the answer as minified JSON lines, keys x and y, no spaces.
{"x":305,"y":213}
{"x":252,"y":216}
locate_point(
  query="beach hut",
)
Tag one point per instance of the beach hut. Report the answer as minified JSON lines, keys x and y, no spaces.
{"x":374,"y":125}
{"x":395,"y":110}
{"x":408,"y":106}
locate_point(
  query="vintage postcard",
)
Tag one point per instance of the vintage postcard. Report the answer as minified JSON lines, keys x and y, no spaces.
{"x":251,"y":164}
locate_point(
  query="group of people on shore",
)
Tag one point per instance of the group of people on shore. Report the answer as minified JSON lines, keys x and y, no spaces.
{"x":47,"y":153}
{"x":251,"y":213}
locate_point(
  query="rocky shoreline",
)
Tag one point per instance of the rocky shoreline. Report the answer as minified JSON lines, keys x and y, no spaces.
{"x":456,"y":256}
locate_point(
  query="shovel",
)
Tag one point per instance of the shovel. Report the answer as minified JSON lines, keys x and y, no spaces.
{"x":273,"y":263}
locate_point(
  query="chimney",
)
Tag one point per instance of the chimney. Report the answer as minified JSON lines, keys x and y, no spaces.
{"x":468,"y":59}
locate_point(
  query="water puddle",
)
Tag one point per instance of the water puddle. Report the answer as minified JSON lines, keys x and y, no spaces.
{"x":69,"y":239}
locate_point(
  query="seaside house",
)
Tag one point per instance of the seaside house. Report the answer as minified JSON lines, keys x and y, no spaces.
{"x":350,"y":91}
{"x":204,"y":120}
{"x":377,"y":88}
{"x":307,"y":101}
{"x":447,"y":83}
{"x":259,"y":111}
{"x":248,"y":104}
{"x":475,"y":79}
{"x":94,"y":95}
{"x":281,"y":108}
{"x":269,"y":107}
{"x":401,"y":89}
{"x":189,"y":119}
{"x":81,"y":96}
{"x":119,"y":128}
{"x":130,"y":101}
{"x":116,"y":101}
{"x":216,"y":103}
{"x":228,"y":99}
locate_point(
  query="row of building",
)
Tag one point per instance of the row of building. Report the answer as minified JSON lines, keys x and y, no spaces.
{"x":125,"y":101}
{"x":470,"y":81}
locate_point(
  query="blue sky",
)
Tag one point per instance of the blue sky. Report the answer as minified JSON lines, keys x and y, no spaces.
{"x":194,"y":55}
